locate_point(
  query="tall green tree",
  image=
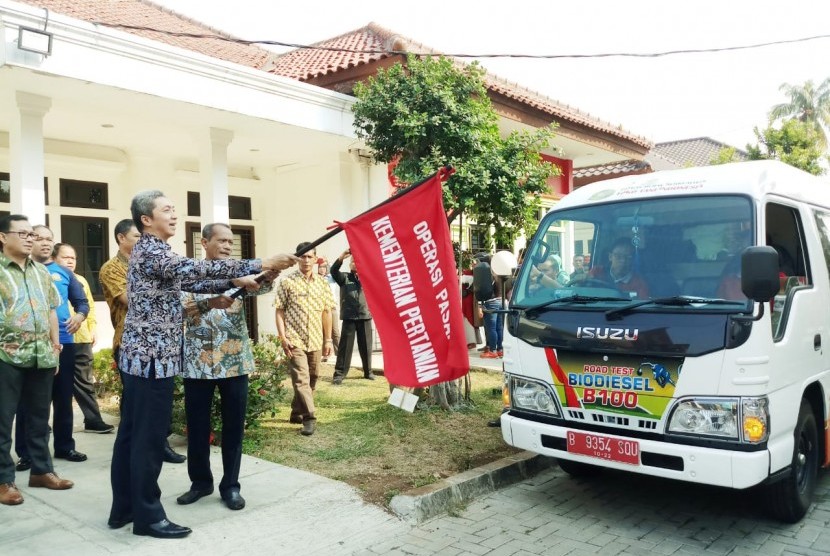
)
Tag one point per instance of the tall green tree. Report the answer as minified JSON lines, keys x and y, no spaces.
{"x":795,"y":142}
{"x":808,"y":104}
{"x":433,"y":112}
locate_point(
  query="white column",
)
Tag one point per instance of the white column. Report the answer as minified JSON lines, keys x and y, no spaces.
{"x":213,"y":194}
{"x":26,"y":152}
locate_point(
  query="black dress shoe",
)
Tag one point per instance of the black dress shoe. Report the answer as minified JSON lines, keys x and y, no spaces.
{"x":23,"y":464}
{"x":119,"y":522}
{"x":71,"y":455}
{"x":172,"y":457}
{"x":163,"y":529}
{"x":370,"y":376}
{"x":234,"y":500}
{"x":98,"y":427}
{"x":192,"y":495}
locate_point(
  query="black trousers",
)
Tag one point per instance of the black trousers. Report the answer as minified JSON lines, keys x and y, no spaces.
{"x":62,"y":415}
{"x":351,"y":328}
{"x":138,"y":452}
{"x":82,"y":386}
{"x":198,"y":400}
{"x":32,"y":388}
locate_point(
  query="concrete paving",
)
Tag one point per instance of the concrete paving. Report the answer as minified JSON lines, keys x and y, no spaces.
{"x":288,"y":510}
{"x":293,"y":512}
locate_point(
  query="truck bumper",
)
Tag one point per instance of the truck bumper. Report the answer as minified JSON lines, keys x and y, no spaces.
{"x":709,"y":466}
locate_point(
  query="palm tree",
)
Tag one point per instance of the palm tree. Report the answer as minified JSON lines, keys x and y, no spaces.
{"x":808,"y":104}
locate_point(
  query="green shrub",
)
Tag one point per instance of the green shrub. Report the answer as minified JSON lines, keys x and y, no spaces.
{"x":105,"y":374}
{"x":264,"y":389}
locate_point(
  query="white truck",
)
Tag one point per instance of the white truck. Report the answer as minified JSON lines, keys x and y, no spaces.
{"x":695,"y":345}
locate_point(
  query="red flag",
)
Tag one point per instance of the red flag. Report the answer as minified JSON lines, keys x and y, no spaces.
{"x":404,"y":256}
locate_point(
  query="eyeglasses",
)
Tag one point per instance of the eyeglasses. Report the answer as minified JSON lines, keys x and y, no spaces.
{"x":24,"y":235}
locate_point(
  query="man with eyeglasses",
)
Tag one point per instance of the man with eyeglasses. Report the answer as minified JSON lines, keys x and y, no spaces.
{"x":71,"y":292}
{"x":620,"y":272}
{"x":29,"y":348}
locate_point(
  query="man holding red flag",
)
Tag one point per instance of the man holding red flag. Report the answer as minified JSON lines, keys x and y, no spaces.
{"x":410,"y":282}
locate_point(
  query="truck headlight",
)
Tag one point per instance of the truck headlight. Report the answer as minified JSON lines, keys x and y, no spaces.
{"x":706,"y":417}
{"x":529,"y":395}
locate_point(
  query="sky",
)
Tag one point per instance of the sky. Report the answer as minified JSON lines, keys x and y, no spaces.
{"x":722,"y":95}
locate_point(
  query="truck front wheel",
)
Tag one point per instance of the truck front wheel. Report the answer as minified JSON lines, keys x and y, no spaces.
{"x":790,"y":498}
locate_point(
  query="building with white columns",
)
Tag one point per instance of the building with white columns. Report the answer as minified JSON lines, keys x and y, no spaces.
{"x":101,"y":113}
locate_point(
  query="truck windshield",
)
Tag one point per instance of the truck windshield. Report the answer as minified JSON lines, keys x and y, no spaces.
{"x":611,"y":255}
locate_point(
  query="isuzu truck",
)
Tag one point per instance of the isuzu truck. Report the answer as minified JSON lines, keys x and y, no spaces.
{"x":695,"y":343}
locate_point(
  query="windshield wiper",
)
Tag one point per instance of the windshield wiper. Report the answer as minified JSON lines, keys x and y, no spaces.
{"x":572,"y":299}
{"x":677,"y":300}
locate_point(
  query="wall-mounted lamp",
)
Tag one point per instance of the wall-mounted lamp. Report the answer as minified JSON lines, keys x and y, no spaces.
{"x":34,"y":40}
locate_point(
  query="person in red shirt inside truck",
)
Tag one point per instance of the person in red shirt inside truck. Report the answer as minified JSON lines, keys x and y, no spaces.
{"x":619,"y":271}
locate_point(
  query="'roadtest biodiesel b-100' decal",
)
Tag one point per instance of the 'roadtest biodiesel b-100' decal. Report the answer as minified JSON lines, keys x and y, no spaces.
{"x":632,"y":385}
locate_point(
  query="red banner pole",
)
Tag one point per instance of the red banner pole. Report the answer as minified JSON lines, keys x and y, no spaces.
{"x":446,"y":171}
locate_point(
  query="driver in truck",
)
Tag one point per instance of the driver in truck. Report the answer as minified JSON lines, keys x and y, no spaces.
{"x":619,"y":271}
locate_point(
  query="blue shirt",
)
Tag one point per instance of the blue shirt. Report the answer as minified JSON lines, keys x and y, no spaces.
{"x":155,"y":279}
{"x":71,"y":291}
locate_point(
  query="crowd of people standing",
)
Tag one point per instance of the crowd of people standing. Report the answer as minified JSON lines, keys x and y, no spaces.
{"x":171,"y":316}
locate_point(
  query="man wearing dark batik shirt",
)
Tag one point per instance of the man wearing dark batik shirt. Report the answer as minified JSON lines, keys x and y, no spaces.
{"x":151,"y":356}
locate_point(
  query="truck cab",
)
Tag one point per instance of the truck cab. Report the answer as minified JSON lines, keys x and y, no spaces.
{"x":692,"y":346}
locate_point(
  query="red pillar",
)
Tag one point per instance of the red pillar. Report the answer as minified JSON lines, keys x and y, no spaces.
{"x":564,"y":184}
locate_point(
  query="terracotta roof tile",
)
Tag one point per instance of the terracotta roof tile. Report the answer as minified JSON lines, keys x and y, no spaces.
{"x":301,"y":64}
{"x":144,"y":13}
{"x":306,"y":64}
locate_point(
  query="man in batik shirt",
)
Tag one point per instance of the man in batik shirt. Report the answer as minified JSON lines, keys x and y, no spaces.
{"x":72,"y":293}
{"x":304,"y":302}
{"x":151,"y":356}
{"x":217,"y":354}
{"x":29,"y":348}
{"x":113,"y":278}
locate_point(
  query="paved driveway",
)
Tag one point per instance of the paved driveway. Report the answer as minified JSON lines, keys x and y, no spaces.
{"x":617,"y":513}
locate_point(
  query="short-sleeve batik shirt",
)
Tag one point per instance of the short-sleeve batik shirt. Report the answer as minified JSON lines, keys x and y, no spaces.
{"x":27,"y":297}
{"x":113,"y":278}
{"x":303,"y":302}
{"x":216,"y":342}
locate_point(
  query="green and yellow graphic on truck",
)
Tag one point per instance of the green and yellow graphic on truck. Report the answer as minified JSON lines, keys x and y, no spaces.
{"x":624,"y":384}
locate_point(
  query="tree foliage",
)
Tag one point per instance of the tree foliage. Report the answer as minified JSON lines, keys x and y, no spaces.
{"x":433,"y":112}
{"x":795,"y":142}
{"x":808,"y":104}
{"x":725,"y":156}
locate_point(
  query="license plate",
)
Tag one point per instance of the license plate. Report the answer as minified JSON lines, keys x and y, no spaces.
{"x":604,"y":447}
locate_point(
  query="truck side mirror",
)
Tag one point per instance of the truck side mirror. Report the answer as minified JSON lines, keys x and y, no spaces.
{"x":759,"y":273}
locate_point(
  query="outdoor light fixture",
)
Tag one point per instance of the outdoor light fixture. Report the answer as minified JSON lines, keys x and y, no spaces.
{"x":34,"y":40}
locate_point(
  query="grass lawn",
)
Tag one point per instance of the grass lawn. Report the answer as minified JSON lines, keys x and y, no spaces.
{"x":380,"y":449}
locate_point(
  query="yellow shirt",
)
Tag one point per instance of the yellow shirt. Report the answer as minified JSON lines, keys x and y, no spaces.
{"x":303,"y":302}
{"x":86,"y":332}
